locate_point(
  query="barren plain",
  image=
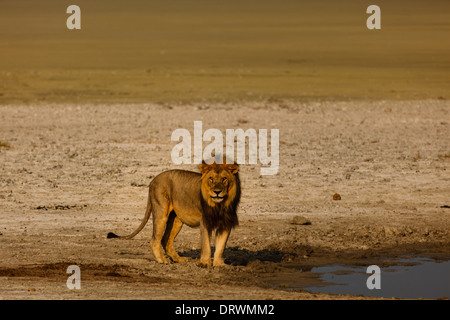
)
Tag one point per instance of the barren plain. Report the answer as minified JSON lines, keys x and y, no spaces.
{"x":86,"y":118}
{"x":72,"y":173}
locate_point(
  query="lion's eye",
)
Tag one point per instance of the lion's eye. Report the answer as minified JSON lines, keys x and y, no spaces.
{"x":210,"y":179}
{"x":224,"y":180}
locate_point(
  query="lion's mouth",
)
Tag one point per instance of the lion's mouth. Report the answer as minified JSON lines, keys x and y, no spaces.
{"x":217,"y":198}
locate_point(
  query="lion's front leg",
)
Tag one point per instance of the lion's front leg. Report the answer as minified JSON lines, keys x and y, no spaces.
{"x":221,"y":242}
{"x":205,"y":257}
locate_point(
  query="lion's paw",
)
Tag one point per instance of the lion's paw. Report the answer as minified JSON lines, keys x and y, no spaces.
{"x":204,"y":263}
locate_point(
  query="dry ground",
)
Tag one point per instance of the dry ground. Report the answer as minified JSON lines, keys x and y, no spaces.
{"x":72,"y":173}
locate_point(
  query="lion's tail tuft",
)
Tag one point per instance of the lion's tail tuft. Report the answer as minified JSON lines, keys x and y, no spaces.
{"x":111,"y":235}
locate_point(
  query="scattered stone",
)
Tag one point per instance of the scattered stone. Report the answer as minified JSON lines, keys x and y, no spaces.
{"x":4,"y":144}
{"x":61,"y":207}
{"x":336,"y":196}
{"x":138,"y":184}
{"x":299,"y":220}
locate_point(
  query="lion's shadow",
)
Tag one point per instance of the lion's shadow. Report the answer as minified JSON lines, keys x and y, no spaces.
{"x":241,"y":257}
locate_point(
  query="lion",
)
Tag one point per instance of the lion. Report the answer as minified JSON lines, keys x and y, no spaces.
{"x":208,"y":200}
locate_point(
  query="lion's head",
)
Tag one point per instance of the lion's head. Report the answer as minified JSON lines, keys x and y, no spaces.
{"x":219,"y":183}
{"x":220,"y":195}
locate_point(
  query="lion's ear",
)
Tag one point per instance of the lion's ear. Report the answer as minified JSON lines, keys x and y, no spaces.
{"x":204,"y":168}
{"x":233,"y":168}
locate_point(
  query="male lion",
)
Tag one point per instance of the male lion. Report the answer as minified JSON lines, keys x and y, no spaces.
{"x":208,"y":200}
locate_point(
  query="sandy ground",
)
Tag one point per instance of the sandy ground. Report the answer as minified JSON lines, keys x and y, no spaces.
{"x":72,"y":173}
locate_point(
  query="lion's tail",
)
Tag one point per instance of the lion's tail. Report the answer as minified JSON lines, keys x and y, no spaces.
{"x":143,"y":223}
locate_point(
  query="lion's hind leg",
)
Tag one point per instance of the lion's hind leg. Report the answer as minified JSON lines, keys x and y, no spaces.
{"x":173,"y":227}
{"x":160,"y":218}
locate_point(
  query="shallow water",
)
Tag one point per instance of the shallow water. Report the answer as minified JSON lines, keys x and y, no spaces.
{"x":416,"y":278}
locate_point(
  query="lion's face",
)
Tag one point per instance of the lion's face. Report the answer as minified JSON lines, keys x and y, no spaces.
{"x":218,"y":182}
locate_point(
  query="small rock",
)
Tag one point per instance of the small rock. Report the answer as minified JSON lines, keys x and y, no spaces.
{"x":299,"y":220}
{"x":336,"y":196}
{"x":139,"y":184}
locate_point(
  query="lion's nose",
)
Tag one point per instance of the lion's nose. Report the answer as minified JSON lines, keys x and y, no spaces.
{"x":217,"y":192}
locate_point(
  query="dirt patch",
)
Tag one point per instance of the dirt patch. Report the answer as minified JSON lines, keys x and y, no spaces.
{"x":91,"y":272}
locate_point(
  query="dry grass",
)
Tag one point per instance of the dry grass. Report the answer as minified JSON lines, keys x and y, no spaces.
{"x":141,"y":51}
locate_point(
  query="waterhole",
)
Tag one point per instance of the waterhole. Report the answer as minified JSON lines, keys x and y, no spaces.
{"x":408,"y":278}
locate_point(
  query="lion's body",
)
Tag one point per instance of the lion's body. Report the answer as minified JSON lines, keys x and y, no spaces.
{"x":180,"y":191}
{"x":208,"y":200}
